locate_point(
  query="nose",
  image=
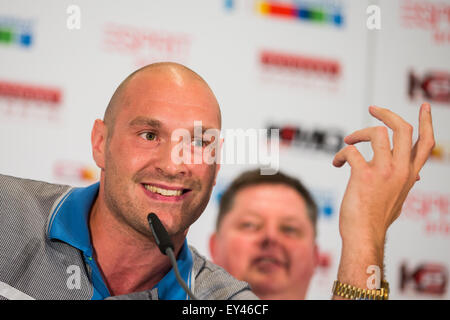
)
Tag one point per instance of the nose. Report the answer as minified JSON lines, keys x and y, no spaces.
{"x":269,"y":236}
{"x":167,"y":167}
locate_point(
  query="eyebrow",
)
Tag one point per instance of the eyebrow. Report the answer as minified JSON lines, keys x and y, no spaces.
{"x":143,"y":121}
{"x":294,"y":220}
{"x":250,"y":213}
{"x":287,"y":219}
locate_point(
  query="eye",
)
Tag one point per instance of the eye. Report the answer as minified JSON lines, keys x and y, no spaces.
{"x":150,"y":136}
{"x":249,"y":226}
{"x":290,"y":230}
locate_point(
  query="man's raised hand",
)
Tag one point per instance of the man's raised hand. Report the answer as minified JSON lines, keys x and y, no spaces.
{"x":378,"y":188}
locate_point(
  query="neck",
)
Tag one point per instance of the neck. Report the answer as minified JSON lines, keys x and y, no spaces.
{"x":129,"y":260}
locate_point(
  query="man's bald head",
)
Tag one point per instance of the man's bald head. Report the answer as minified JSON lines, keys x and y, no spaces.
{"x":172,"y":72}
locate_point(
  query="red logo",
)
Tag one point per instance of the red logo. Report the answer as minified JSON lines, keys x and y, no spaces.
{"x":28,"y":100}
{"x":29,"y":93}
{"x":299,"y":71}
{"x":147,"y":46}
{"x":427,"y":278}
{"x":432,"y":17}
{"x":324,"y":261}
{"x":324,"y":270}
{"x":433,"y":86}
{"x":73,"y":171}
{"x":300,"y":63}
{"x":429,"y":208}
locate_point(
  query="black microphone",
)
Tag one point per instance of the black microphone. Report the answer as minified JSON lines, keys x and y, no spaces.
{"x":166,"y":247}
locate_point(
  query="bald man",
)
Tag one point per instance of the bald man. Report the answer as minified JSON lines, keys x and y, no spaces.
{"x":59,"y":242}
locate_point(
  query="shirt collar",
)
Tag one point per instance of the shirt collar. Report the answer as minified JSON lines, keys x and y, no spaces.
{"x":168,"y":287}
{"x":69,"y":220}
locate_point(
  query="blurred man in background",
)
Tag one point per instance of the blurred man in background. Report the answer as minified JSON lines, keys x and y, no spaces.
{"x":265,"y":234}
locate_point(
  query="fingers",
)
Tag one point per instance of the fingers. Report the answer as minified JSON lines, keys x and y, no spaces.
{"x":351,"y":155}
{"x":379,"y":139}
{"x":425,"y":143}
{"x":402,"y":137}
{"x":402,"y":141}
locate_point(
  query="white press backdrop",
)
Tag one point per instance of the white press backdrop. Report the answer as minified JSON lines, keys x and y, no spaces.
{"x":311,"y":77}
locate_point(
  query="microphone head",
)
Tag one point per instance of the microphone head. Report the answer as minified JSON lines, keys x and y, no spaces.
{"x":160,"y":234}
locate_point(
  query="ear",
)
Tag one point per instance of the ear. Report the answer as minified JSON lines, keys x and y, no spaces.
{"x":98,"y":141}
{"x":212,"y":247}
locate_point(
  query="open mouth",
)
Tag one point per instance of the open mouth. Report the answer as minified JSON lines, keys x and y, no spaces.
{"x":165,"y":192}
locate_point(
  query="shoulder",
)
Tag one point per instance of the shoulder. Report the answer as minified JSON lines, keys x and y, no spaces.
{"x":19,"y":188}
{"x":212,"y":282}
{"x":25,"y":200}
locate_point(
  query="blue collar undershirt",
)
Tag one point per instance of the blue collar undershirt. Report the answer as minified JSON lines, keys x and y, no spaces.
{"x":69,"y":223}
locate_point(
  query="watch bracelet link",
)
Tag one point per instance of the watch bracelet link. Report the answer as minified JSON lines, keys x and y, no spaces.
{"x":351,"y":292}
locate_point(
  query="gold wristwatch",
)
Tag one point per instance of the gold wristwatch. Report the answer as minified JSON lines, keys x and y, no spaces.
{"x":351,"y":292}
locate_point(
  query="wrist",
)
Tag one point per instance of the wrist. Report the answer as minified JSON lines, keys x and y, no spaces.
{"x":362,"y":252}
{"x":361,"y":262}
{"x":363,"y":240}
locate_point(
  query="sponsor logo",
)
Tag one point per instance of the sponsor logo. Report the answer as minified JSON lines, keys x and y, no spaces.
{"x":228,"y":4}
{"x":324,"y":261}
{"x":146,"y":46}
{"x":428,"y":16}
{"x":430,"y":209}
{"x":15,"y":31}
{"x":318,"y":66}
{"x":441,"y":152}
{"x":321,"y":140}
{"x":318,"y":12}
{"x":295,"y":70}
{"x":76,"y":172}
{"x":28,"y":100}
{"x":323,"y":273}
{"x":432,"y":86}
{"x":427,"y":278}
{"x":28,"y":92}
{"x":325,"y":202}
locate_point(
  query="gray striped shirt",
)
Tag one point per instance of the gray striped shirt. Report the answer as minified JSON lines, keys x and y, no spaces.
{"x":36,"y":263}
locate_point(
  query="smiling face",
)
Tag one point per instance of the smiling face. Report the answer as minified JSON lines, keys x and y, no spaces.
{"x":134,"y":151}
{"x":267,"y":239}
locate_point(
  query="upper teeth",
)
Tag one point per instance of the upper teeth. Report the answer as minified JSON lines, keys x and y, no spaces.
{"x":164,"y":192}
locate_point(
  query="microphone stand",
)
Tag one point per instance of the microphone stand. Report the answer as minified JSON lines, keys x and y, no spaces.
{"x":166,"y":247}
